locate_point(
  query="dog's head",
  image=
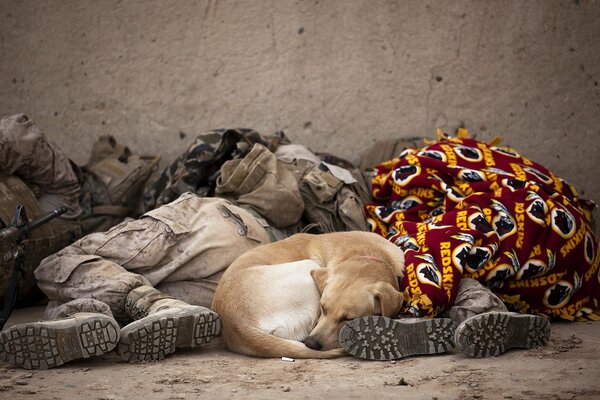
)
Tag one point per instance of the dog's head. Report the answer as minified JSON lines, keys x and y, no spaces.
{"x":357,"y":287}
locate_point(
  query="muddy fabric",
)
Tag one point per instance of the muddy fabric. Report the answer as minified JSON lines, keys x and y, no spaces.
{"x":188,"y":242}
{"x":261,"y":182}
{"x":114,"y":178}
{"x":197,"y":169}
{"x":459,"y":207}
{"x":332,"y":198}
{"x":333,"y":194}
{"x":26,"y":152}
{"x":472,"y":298}
{"x":36,"y":174}
{"x":58,"y":310}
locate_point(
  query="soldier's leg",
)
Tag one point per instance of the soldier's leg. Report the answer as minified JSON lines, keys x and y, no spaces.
{"x":78,"y":329}
{"x":486,"y":327}
{"x":163,"y":324}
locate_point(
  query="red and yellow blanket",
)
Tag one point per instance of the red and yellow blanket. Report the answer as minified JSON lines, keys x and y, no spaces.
{"x":460,"y":207}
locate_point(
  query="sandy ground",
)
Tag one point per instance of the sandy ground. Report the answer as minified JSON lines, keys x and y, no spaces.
{"x":567,"y":368}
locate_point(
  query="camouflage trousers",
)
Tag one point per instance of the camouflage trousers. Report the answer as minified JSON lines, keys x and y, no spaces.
{"x":181,"y":248}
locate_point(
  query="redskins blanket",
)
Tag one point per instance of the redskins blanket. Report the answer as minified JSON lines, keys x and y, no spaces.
{"x":459,"y":207}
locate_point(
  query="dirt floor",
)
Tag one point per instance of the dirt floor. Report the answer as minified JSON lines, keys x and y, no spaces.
{"x":567,"y":368}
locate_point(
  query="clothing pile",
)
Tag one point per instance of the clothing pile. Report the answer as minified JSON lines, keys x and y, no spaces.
{"x":459,"y":207}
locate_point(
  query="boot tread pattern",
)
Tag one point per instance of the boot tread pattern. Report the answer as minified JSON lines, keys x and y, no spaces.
{"x":156,"y":336}
{"x":382,"y":338}
{"x":493,"y":333}
{"x":39,"y":346}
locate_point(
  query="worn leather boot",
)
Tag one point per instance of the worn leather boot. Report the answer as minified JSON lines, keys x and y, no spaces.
{"x":48,"y":344}
{"x":382,"y":338}
{"x":163,"y":324}
{"x":492,"y":333}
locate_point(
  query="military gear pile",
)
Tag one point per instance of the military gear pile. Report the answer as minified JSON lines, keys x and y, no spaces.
{"x":459,"y":207}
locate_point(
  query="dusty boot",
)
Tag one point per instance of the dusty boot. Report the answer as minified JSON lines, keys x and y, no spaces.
{"x":382,"y":338}
{"x":162,"y":325}
{"x":492,"y":333}
{"x":48,"y":344}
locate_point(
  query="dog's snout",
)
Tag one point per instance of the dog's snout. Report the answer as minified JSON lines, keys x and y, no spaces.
{"x":313,"y":343}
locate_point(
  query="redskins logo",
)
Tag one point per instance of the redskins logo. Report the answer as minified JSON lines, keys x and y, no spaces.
{"x":471,"y":175}
{"x":452,"y":193}
{"x":500,"y":273}
{"x":512,"y":254}
{"x":497,"y":171}
{"x":498,"y":206}
{"x":563,"y":223}
{"x":558,"y":295}
{"x":372,"y":224}
{"x":478,"y":259}
{"x":504,"y":225}
{"x":506,"y":151}
{"x":551,"y":260}
{"x":405,"y":173}
{"x":514,"y":184}
{"x":460,"y":256}
{"x":435,"y":154}
{"x":539,"y":174}
{"x":463,"y":237}
{"x":583,"y":312}
{"x":479,"y":222}
{"x":407,"y":242}
{"x":537,"y":211}
{"x":429,"y":275}
{"x":409,"y":202}
{"x":468,"y":153}
{"x":578,"y":282}
{"x":589,"y":251}
{"x":532,"y":269}
{"x":385,"y":213}
{"x":437,"y":211}
{"x":406,"y":152}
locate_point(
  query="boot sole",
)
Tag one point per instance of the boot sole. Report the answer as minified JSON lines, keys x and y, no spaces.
{"x":493,"y":333}
{"x":43,"y":345}
{"x":156,"y":336}
{"x":382,"y":338}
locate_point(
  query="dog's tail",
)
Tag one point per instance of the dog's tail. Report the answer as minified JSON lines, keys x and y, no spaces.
{"x":258,"y":343}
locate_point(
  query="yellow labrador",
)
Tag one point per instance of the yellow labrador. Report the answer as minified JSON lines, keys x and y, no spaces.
{"x":292,"y":297}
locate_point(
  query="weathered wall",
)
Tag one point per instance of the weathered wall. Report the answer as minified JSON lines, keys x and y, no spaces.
{"x":336,"y":75}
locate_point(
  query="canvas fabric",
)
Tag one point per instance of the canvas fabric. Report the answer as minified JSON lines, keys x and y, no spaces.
{"x":263,"y":183}
{"x":196,"y":170}
{"x":181,"y":249}
{"x":27,"y":153}
{"x":463,"y":208}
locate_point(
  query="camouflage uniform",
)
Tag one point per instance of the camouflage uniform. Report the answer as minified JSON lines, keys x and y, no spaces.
{"x":36,"y":174}
{"x":182,"y":248}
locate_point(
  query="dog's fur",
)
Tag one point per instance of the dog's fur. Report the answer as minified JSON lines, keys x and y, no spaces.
{"x":303,"y":289}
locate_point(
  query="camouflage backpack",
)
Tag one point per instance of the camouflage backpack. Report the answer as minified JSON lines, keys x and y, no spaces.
{"x":113,"y":180}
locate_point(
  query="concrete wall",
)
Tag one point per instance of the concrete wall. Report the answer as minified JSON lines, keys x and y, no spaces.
{"x":336,"y":75}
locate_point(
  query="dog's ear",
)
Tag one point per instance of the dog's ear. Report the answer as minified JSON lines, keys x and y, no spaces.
{"x":320,"y":276}
{"x":390,"y":300}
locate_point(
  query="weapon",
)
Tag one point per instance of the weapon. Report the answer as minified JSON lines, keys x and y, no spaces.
{"x":11,"y":249}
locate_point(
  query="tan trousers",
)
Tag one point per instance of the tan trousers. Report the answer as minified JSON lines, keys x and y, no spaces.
{"x":181,"y":248}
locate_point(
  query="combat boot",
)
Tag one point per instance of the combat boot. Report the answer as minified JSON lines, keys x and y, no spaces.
{"x":48,"y":344}
{"x":492,"y":333}
{"x":163,"y":324}
{"x":382,"y":338}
